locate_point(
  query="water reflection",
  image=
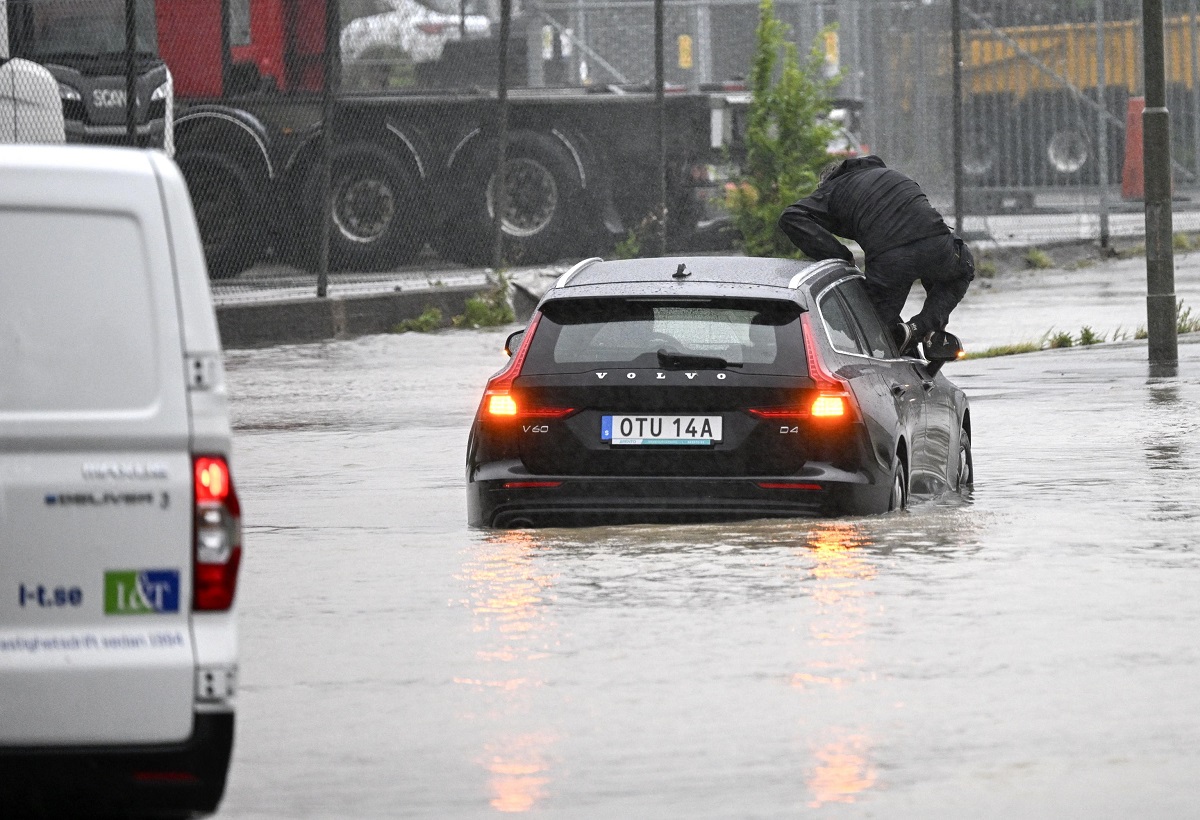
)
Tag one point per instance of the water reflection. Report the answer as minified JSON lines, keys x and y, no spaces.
{"x":508,"y":596}
{"x":842,"y":770}
{"x":840,"y":572}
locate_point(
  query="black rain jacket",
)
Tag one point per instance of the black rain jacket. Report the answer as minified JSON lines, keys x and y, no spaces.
{"x":864,"y":200}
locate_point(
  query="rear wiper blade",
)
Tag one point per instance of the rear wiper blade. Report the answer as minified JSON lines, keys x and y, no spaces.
{"x":679,"y":361}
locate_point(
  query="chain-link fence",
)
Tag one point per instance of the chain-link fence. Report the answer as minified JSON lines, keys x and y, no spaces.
{"x":241,"y":91}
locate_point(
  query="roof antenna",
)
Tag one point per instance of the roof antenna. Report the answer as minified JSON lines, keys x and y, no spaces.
{"x":681,"y":272}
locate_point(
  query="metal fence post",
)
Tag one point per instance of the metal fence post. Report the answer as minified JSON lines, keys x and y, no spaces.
{"x":1194,"y":43}
{"x":957,"y":110}
{"x":329,"y":112}
{"x":660,"y":119}
{"x":500,"y":196}
{"x":1102,"y":122}
{"x":1156,"y":163}
{"x":131,"y":100}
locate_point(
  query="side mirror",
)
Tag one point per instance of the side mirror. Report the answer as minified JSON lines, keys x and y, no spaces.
{"x":942,"y":347}
{"x":513,"y":341}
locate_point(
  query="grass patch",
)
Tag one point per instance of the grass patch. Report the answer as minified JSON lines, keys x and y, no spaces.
{"x":1185,"y":322}
{"x":1130,"y":253}
{"x":1038,"y":259}
{"x":429,"y":321}
{"x":986,"y":268}
{"x":1006,"y":350}
{"x":1182,"y":242}
{"x":1087,"y":336}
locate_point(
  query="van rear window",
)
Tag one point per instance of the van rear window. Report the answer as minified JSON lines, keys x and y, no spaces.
{"x":754,"y":335}
{"x":77,"y":330}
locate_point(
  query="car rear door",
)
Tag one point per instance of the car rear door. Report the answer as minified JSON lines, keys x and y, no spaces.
{"x":887,"y":387}
{"x":95,"y":474}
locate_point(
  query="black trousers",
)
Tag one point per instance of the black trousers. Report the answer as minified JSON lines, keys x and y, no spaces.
{"x":943,"y":264}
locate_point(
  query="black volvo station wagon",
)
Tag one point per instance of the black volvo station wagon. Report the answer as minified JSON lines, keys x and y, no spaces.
{"x":712,"y":388}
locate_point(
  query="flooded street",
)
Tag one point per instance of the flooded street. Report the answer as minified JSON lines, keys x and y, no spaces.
{"x":1029,"y":652}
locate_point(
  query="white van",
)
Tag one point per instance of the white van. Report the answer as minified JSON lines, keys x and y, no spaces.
{"x":120,"y":531}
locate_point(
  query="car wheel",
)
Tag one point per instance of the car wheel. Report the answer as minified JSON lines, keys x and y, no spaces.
{"x":224,"y":201}
{"x":377,"y":208}
{"x":542,"y":187}
{"x":898,"y":500}
{"x":964,"y":481}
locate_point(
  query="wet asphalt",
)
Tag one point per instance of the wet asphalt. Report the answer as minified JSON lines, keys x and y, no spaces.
{"x":1028,"y":652}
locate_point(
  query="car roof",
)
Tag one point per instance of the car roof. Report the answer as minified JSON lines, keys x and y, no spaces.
{"x":689,"y":276}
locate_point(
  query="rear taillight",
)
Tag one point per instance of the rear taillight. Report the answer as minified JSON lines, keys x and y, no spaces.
{"x":832,"y":398}
{"x":500,"y":403}
{"x":217,"y":545}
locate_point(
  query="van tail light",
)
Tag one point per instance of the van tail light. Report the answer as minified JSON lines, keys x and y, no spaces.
{"x":217,"y":541}
{"x":500,"y":403}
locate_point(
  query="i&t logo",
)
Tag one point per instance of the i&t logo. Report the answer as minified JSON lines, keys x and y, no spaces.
{"x":141,"y":592}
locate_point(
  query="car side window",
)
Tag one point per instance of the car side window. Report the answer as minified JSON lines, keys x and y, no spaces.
{"x":842,"y":331}
{"x":878,"y":340}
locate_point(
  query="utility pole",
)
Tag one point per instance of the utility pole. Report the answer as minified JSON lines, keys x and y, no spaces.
{"x":1156,"y":164}
{"x":332,"y":82}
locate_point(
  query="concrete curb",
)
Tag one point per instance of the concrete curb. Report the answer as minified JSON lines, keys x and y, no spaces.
{"x":294,"y":321}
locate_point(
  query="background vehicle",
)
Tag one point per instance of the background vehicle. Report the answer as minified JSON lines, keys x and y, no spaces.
{"x":414,"y":29}
{"x":711,"y":387}
{"x":414,"y":162}
{"x":120,"y":523}
{"x":83,"y":45}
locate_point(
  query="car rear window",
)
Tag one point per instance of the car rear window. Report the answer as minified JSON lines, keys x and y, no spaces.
{"x":752,"y":335}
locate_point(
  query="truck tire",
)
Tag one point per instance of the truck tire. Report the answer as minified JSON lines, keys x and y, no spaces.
{"x":378,"y":208}
{"x":224,"y":200}
{"x":543,"y":191}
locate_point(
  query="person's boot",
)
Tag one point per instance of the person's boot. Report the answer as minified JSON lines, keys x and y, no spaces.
{"x":905,"y":335}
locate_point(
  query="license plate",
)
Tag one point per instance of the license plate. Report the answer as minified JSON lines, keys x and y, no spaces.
{"x":650,"y":430}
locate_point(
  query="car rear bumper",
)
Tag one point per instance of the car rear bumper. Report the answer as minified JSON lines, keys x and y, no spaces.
{"x":513,"y":499}
{"x":128,"y":781}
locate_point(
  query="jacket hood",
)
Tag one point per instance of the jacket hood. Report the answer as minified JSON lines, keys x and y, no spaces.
{"x":851,"y":164}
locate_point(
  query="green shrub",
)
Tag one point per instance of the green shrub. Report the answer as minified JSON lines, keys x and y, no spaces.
{"x":1038,"y":259}
{"x":1141,"y":333}
{"x":1087,"y":336}
{"x":787,"y":135}
{"x":1181,"y":242}
{"x":1060,"y":339}
{"x":429,"y":321}
{"x":487,"y":308}
{"x":986,"y":268}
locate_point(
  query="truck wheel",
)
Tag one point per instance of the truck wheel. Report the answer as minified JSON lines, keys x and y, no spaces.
{"x":225,"y":204}
{"x":542,"y":187}
{"x":377,"y":208}
{"x":1068,"y":149}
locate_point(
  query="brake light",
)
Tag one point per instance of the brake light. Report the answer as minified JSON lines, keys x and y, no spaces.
{"x":501,"y":404}
{"x":828,"y":406}
{"x":217,"y":540}
{"x":789,"y":485}
{"x":834,"y":399}
{"x":431,"y":28}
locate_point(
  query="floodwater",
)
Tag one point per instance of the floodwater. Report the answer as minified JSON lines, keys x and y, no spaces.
{"x":1030,"y":652}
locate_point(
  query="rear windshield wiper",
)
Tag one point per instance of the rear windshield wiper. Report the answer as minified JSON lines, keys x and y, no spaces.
{"x":679,"y":361}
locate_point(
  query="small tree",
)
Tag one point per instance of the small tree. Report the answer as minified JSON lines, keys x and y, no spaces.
{"x":787,"y":135}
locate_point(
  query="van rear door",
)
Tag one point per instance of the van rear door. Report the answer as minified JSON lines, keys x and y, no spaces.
{"x":95,"y":472}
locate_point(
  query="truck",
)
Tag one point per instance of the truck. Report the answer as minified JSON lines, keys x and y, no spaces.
{"x":83,"y":46}
{"x":1034,"y":96}
{"x":414,"y":168}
